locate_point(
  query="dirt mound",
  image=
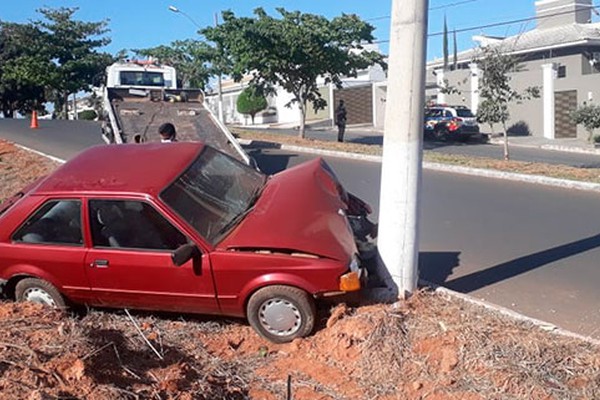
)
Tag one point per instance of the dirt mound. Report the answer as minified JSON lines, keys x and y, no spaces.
{"x":429,"y":347}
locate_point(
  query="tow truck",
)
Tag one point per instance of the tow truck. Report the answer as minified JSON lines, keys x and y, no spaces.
{"x":140,"y":95}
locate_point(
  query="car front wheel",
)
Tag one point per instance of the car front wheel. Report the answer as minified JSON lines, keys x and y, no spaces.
{"x":39,"y":291}
{"x":281,"y":313}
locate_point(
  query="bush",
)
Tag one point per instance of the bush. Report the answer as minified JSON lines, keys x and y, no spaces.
{"x":251,"y":102}
{"x":88,"y":115}
{"x":587,"y":115}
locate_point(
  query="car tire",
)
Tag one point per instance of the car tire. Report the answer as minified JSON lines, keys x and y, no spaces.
{"x":39,"y":291}
{"x":281,"y":313}
{"x":440,"y":134}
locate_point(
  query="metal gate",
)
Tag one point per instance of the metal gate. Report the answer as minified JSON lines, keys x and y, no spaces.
{"x":358,"y":102}
{"x":564,"y":103}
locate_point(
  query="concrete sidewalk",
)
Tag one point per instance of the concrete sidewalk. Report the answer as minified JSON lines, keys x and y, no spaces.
{"x":566,"y":145}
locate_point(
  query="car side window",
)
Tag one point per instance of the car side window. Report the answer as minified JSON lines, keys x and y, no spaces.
{"x":131,"y":224}
{"x":447,"y":114}
{"x":55,"y":222}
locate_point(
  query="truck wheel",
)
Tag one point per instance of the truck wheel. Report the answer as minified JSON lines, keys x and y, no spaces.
{"x":39,"y":291}
{"x":281,"y":313}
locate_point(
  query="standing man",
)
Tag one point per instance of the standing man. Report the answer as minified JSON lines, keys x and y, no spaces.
{"x":340,"y":120}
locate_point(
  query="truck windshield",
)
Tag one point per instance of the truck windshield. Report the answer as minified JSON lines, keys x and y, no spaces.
{"x":142,"y":78}
{"x":214,"y":193}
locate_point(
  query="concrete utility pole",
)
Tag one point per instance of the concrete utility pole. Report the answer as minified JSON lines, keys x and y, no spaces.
{"x":219,"y":84}
{"x":402,"y":144}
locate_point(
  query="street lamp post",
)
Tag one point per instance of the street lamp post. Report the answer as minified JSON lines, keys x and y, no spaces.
{"x":219,"y":87}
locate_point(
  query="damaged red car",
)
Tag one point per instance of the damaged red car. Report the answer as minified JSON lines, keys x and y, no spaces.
{"x":185,"y":228}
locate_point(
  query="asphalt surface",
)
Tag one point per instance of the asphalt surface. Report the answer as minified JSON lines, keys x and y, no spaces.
{"x":475,"y":147}
{"x":531,"y":248}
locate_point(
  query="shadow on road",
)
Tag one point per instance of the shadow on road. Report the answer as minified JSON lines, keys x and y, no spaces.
{"x":521,"y":265}
{"x":437,"y":266}
{"x":270,"y":163}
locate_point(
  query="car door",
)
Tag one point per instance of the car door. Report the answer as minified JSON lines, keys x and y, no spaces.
{"x":49,"y":245}
{"x":129,"y":261}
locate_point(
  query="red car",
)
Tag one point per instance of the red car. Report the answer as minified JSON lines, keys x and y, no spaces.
{"x":183,"y":227}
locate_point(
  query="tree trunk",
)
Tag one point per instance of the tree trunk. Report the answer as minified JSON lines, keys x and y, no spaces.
{"x":302,"y":108}
{"x":506,"y":154}
{"x":66,"y":105}
{"x":8,"y":112}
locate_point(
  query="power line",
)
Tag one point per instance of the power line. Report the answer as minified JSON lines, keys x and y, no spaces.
{"x":457,"y":3}
{"x":441,"y":6}
{"x":514,"y":21}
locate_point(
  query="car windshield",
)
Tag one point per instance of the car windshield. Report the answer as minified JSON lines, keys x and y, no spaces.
{"x":214,"y":193}
{"x":464,"y":113}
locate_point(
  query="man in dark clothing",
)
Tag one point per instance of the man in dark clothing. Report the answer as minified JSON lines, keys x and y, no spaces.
{"x":340,"y":120}
{"x":167,"y":133}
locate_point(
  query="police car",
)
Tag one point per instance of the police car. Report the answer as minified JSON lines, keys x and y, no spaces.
{"x":444,"y":122}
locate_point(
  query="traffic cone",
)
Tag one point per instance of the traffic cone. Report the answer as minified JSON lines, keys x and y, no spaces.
{"x":34,"y":120}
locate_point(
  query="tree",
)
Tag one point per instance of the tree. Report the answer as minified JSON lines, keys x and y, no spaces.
{"x":25,"y":68}
{"x":496,"y":66}
{"x":445,"y":44}
{"x":455,"y":52}
{"x":251,"y":102}
{"x":492,"y":113}
{"x":293,"y":51}
{"x":73,"y":46}
{"x":192,"y":59}
{"x":587,"y":115}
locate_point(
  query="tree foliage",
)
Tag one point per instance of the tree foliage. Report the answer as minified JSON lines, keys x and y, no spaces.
{"x":193,"y":60}
{"x":294,"y":50}
{"x":587,"y":115}
{"x":251,"y":102}
{"x":25,"y":68}
{"x":73,"y":46}
{"x":497,"y":67}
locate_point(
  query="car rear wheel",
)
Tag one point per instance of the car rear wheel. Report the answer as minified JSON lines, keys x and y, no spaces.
{"x":440,"y":133}
{"x":281,"y":313}
{"x":39,"y":291}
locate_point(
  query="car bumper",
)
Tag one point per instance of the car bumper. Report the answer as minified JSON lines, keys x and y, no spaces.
{"x":468,"y":130}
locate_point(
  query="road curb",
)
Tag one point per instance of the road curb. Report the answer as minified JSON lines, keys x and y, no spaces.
{"x":55,"y":159}
{"x":486,"y":173}
{"x":544,"y":325}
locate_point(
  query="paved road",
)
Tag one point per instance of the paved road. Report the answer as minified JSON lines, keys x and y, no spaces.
{"x":531,"y":248}
{"x":472,"y":148}
{"x":60,"y":138}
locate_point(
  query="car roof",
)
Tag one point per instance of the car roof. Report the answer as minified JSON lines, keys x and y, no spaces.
{"x":122,"y":168}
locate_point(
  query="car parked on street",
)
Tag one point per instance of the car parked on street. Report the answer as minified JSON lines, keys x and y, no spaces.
{"x":183,"y":227}
{"x":443,"y":122}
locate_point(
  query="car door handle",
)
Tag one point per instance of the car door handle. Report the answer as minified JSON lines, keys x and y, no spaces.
{"x":99,"y":264}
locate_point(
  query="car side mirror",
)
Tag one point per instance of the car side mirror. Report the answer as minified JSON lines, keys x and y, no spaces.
{"x":183,"y":254}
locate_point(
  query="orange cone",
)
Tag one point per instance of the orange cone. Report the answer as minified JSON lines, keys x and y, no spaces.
{"x":34,"y":120}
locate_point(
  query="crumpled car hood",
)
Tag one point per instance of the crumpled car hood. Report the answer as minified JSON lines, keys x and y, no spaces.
{"x":299,"y":210}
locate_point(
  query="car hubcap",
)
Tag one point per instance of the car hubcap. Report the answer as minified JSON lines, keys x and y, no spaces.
{"x":280,"y":317}
{"x":37,"y":295}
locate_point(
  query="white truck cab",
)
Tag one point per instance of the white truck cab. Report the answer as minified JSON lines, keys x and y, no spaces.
{"x":140,"y":74}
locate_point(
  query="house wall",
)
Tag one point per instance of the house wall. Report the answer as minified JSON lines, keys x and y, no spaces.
{"x":311,"y":114}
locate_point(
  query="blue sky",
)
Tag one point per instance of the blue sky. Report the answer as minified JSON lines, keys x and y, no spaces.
{"x":140,"y":24}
